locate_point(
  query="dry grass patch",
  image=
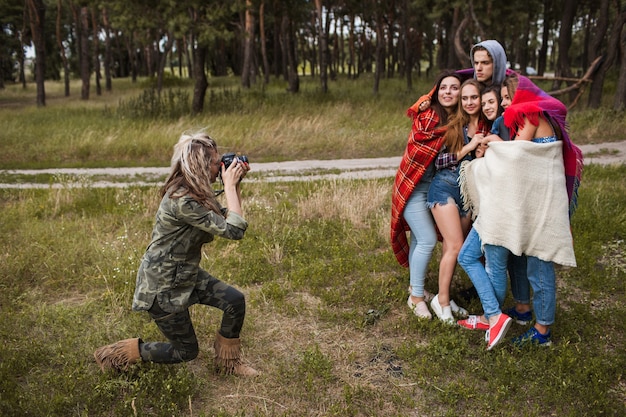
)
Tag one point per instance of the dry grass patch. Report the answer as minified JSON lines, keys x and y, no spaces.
{"x":353,"y":201}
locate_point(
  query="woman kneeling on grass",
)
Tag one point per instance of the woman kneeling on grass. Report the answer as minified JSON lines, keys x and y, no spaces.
{"x":170,"y":279}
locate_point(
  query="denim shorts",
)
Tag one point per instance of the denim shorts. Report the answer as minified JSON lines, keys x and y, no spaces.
{"x":445,"y":189}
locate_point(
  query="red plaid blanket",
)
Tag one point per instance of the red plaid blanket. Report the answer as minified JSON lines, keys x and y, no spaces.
{"x":424,"y":143}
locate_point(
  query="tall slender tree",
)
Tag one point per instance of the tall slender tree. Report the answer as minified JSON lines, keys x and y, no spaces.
{"x":37,"y":15}
{"x":64,"y":60}
{"x":85,"y":70}
{"x":619,"y":103}
{"x":323,"y":44}
{"x":565,"y":41}
{"x":248,"y":71}
{"x":263,"y":40}
{"x":106,"y":26}
{"x":95,"y":27}
{"x":610,"y":56}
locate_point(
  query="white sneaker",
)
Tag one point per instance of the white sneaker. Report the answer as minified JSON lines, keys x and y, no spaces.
{"x":427,"y":296}
{"x":459,"y":311}
{"x":444,"y":313}
{"x":420,"y":309}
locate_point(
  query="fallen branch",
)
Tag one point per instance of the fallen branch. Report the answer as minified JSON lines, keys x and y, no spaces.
{"x":579,"y":81}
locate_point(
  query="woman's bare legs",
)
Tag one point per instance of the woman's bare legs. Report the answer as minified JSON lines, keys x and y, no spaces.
{"x":451,"y":227}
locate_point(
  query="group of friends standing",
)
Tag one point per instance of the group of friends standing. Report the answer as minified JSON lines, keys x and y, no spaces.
{"x":489,"y":169}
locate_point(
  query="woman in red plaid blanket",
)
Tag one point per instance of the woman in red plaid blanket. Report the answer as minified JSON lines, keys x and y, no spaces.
{"x":409,"y":210}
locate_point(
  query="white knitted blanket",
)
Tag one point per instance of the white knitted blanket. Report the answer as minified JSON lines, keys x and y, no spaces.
{"x":518,"y":198}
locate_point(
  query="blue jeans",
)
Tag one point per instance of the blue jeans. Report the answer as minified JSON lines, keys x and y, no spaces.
{"x":542,"y":278}
{"x":490,"y":280}
{"x":518,"y":273}
{"x":444,"y":187}
{"x":423,"y":237}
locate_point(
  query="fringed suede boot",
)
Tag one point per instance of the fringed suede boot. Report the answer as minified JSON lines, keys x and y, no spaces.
{"x":119,"y":355}
{"x":228,"y":357}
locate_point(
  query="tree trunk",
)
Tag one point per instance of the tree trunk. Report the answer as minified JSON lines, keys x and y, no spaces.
{"x":163,"y":60}
{"x":341,"y":50}
{"x":201,"y":84}
{"x":66,"y":66}
{"x":408,"y":48}
{"x":85,"y":72}
{"x":107,"y":51}
{"x":37,"y":14}
{"x":620,"y":95}
{"x":452,"y":59}
{"x":266,"y":65}
{"x":189,"y":56}
{"x":96,"y":52}
{"x":132,"y":56}
{"x":323,"y":42}
{"x":594,"y":49}
{"x":379,"y":52}
{"x":248,"y":47}
{"x":595,"y":92}
{"x":459,"y":49}
{"x":351,"y":53}
{"x":524,"y":50}
{"x":390,"y":55}
{"x":545,"y":38}
{"x":21,"y":54}
{"x":313,"y":56}
{"x":292,"y":71}
{"x":565,"y":41}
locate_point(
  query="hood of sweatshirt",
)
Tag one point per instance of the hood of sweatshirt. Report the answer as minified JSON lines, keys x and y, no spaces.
{"x":499,"y":59}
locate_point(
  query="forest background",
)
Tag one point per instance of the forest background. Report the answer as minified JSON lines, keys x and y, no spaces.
{"x":254,"y":39}
{"x":327,"y":321}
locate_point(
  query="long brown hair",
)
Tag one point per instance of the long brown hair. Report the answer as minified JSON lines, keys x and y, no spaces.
{"x":191,"y":169}
{"x":511,"y":82}
{"x":454,"y":134}
{"x":435,"y":105}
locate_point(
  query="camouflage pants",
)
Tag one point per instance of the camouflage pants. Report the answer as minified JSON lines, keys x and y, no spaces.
{"x":182,"y":342}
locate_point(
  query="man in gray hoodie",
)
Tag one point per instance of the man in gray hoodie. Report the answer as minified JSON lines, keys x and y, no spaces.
{"x":489,"y":62}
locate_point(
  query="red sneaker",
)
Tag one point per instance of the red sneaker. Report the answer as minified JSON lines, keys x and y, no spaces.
{"x":496,"y":333}
{"x":473,"y":323}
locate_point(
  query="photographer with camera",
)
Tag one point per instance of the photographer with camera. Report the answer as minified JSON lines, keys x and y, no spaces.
{"x":170,"y":279}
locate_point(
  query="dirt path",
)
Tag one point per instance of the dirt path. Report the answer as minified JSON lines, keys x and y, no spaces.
{"x":604,"y":154}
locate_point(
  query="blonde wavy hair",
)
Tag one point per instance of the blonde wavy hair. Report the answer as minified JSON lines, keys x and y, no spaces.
{"x":191,"y":169}
{"x":454,"y":134}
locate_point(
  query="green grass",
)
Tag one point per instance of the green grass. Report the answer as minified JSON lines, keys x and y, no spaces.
{"x":327,"y":323}
{"x":127,"y":127}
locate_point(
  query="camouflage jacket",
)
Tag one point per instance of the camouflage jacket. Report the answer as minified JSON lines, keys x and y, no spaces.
{"x":169,"y":268}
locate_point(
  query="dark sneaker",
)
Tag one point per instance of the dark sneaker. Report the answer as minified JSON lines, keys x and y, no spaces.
{"x":520,"y":318}
{"x":533,"y":337}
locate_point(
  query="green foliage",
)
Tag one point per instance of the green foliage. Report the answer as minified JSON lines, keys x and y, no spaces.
{"x":168,"y":104}
{"x":225,"y":101}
